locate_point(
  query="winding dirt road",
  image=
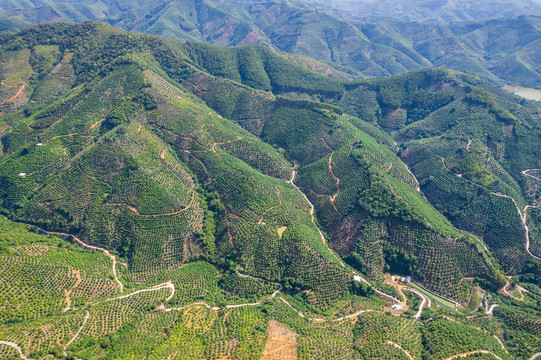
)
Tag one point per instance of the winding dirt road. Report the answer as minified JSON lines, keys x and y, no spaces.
{"x":107,"y":253}
{"x":417,"y":187}
{"x":522,"y":214}
{"x":336,"y":179}
{"x":16,"y":346}
{"x":78,"y":332}
{"x":525,"y":173}
{"x":312,"y":209}
{"x":14,"y":96}
{"x":490,"y":310}
{"x":165,"y":285}
{"x":423,"y":302}
{"x":401,"y":348}
{"x":301,"y":314}
{"x":136,"y":211}
{"x":472,"y":353}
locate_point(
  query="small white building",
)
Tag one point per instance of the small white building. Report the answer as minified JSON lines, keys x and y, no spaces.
{"x":40,"y":144}
{"x":397,"y":307}
{"x":22,"y":174}
{"x":406,"y":280}
{"x":357,"y":278}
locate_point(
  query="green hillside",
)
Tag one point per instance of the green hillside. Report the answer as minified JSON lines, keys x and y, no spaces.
{"x":495,"y":40}
{"x":168,"y":199}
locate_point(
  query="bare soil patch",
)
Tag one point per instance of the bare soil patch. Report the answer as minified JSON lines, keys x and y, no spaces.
{"x":281,"y":343}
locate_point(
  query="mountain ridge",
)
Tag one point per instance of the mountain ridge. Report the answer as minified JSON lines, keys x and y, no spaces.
{"x":386,"y":47}
{"x":226,"y":189}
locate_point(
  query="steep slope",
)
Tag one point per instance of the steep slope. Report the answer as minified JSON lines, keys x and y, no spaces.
{"x":108,"y":161}
{"x":469,"y":149}
{"x":365,"y":197}
{"x":117,"y":169}
{"x":211,"y":203}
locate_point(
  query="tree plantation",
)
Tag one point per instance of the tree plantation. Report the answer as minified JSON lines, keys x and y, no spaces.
{"x":178,"y":200}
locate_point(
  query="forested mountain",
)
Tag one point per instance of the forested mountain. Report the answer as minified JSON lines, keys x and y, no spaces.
{"x":503,"y":50}
{"x":432,"y":11}
{"x":169,"y":199}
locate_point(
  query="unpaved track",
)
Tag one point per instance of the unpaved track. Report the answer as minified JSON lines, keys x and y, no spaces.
{"x":16,"y":346}
{"x":107,"y":253}
{"x":501,"y":344}
{"x":522,"y":215}
{"x":113,"y":258}
{"x":476,"y":328}
{"x":424,"y":300}
{"x":417,"y":187}
{"x":172,"y":287}
{"x":166,"y":285}
{"x":14,"y":96}
{"x":135,"y":210}
{"x":89,"y":147}
{"x":336,"y":179}
{"x":472,"y":353}
{"x":505,"y":291}
{"x":272,"y":207}
{"x":401,"y":348}
{"x":68,"y":292}
{"x":301,"y":314}
{"x":213,"y":148}
{"x":490,"y":310}
{"x":535,"y":356}
{"x":312,"y":209}
{"x":525,"y":173}
{"x":78,"y":332}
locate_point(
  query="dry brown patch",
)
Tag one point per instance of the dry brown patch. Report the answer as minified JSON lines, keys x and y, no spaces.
{"x":398,"y":287}
{"x":9,"y":85}
{"x":94,"y":125}
{"x":281,"y":230}
{"x":163,"y":154}
{"x":281,"y":343}
{"x":14,"y":96}
{"x":67,"y":292}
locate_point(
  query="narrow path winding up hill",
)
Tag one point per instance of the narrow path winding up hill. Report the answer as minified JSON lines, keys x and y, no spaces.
{"x":312,"y":210}
{"x":106,"y":252}
{"x":16,"y":346}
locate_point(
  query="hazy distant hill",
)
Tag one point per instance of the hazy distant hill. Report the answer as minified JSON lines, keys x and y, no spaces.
{"x":432,"y":11}
{"x":504,"y":51}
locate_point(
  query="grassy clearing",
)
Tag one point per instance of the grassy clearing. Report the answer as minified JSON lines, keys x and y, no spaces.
{"x":437,"y":299}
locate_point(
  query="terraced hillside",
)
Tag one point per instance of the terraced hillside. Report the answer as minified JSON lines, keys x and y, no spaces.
{"x":60,"y":300}
{"x":180,"y":200}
